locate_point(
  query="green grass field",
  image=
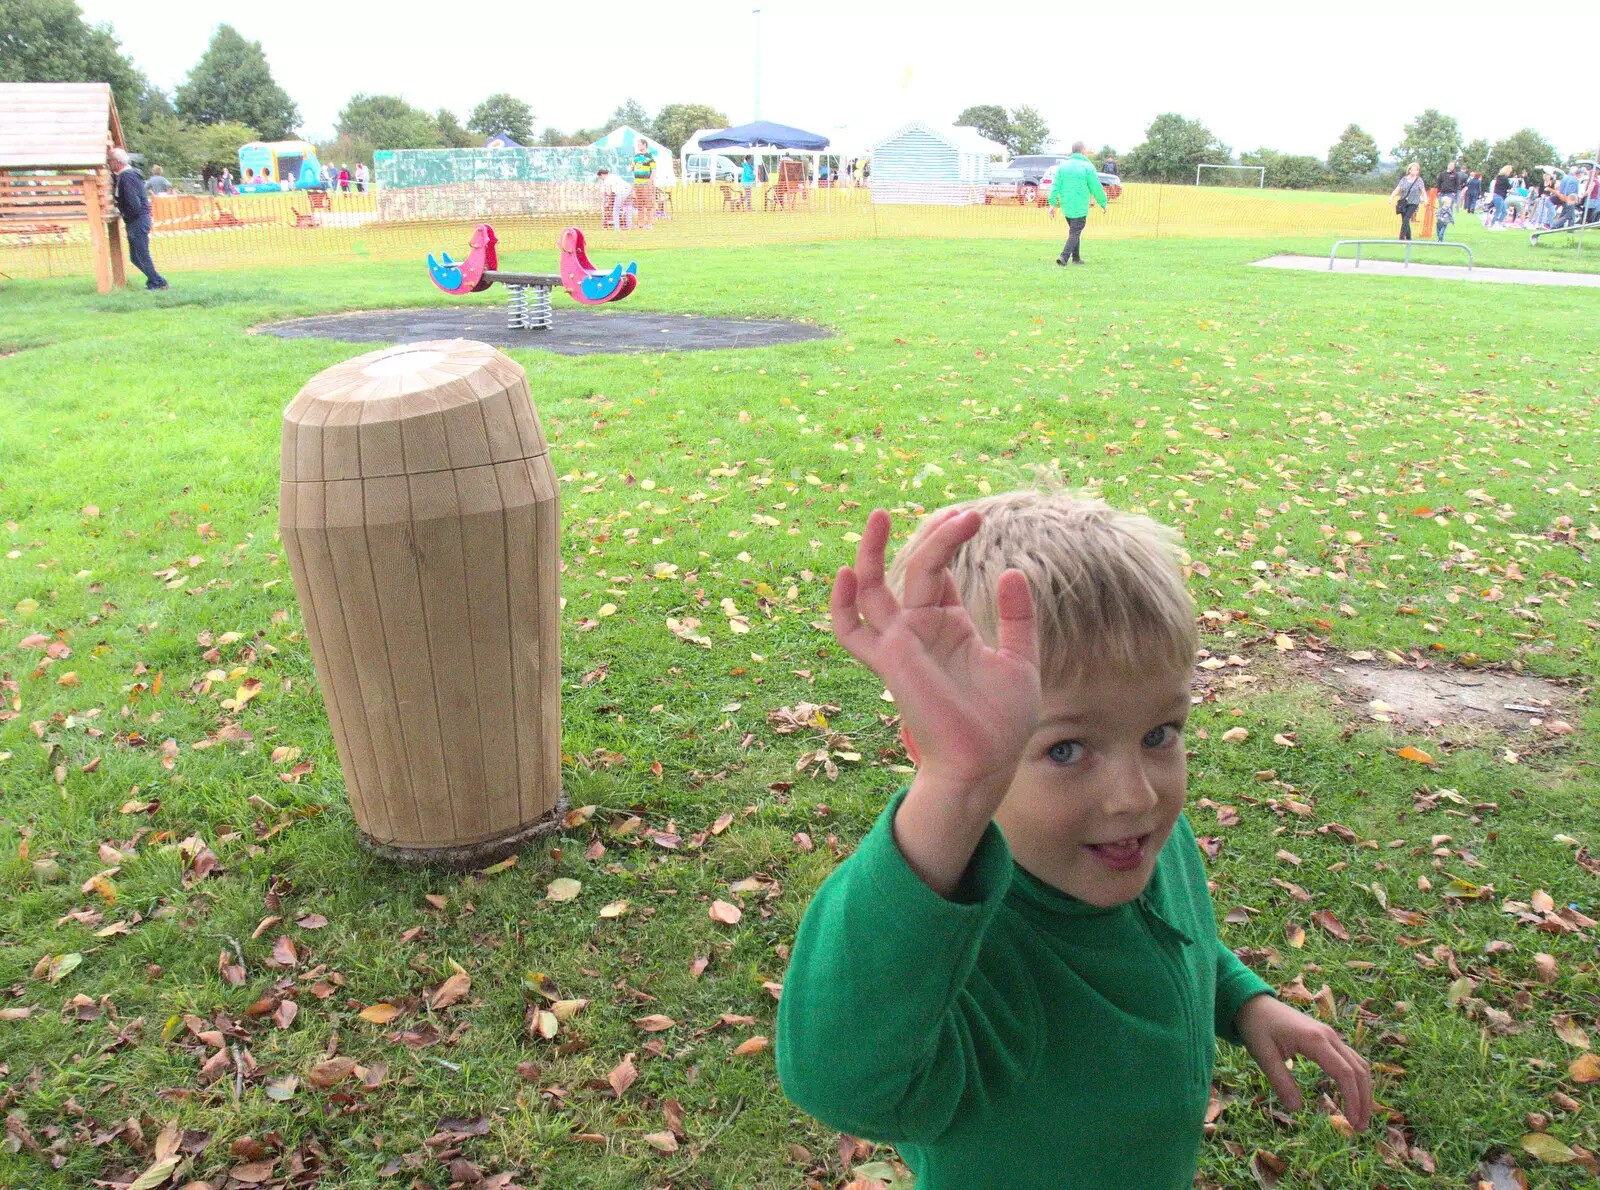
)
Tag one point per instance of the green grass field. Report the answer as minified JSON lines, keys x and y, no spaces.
{"x":1403,"y":470}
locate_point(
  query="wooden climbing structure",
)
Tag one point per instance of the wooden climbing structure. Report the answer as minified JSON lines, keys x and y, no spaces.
{"x":54,"y":175}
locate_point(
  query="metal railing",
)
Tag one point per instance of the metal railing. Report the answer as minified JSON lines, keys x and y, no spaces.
{"x":1573,"y":229}
{"x":1332,"y":256}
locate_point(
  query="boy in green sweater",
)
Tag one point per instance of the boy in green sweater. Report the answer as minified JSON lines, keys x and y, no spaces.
{"x":1016,"y":978}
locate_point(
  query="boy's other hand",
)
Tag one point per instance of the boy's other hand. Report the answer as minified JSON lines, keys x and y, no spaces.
{"x":968,"y":707}
{"x":1274,"y":1032}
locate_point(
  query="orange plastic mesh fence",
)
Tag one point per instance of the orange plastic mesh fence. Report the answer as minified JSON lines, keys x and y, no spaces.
{"x":275,"y":230}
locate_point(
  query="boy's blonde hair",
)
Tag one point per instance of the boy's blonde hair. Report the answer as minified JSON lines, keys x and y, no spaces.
{"x":1107,"y":587}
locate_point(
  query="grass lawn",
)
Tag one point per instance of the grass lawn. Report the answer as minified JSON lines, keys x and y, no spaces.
{"x":1403,"y":470}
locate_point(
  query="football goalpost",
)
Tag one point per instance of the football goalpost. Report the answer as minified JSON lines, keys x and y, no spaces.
{"x":1261,"y":172}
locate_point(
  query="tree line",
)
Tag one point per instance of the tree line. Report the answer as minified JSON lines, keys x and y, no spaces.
{"x":230,"y":97}
{"x":1174,"y":146}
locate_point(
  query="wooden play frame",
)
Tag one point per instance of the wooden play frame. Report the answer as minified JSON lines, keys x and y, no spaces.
{"x":54,"y":174}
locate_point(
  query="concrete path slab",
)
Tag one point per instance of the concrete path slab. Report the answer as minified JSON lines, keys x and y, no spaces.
{"x":1446,"y":272}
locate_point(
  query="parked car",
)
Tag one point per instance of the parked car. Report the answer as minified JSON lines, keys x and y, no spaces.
{"x":1027,"y":180}
{"x":1111,"y":183}
{"x":710,"y":167}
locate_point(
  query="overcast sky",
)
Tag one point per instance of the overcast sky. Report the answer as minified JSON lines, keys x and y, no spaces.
{"x":1256,"y":73}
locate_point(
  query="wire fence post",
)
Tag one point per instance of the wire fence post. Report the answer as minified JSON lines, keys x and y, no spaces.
{"x":1159,"y":189}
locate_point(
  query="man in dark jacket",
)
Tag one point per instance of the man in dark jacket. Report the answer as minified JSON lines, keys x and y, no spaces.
{"x":133,"y":201}
{"x":1449,"y":182}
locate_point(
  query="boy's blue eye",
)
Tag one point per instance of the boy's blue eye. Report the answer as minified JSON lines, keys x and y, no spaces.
{"x":1066,"y":752}
{"x":1163,"y":736}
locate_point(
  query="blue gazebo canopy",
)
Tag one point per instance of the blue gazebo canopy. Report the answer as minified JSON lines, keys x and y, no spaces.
{"x":765,"y":134}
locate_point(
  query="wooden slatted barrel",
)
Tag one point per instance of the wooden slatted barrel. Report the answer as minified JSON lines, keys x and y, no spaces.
{"x":421,"y":518}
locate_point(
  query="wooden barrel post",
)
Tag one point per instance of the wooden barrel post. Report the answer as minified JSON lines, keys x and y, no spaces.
{"x":421,"y":517}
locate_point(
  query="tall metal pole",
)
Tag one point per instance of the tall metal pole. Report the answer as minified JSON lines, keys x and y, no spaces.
{"x":757,"y":13}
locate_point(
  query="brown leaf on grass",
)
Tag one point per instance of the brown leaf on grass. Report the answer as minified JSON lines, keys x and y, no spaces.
{"x":1542,"y":901}
{"x":622,"y":1075}
{"x":1331,"y":924}
{"x":1585,"y":1068}
{"x":331,"y":1073}
{"x":1295,"y":934}
{"x":1267,"y":1168}
{"x":379,"y":1014}
{"x":726,"y":912}
{"x":615,"y":909}
{"x":1569,"y":1031}
{"x":213,"y":1068}
{"x":311,"y":921}
{"x":253,"y":1173}
{"x":1295,"y":991}
{"x":655,"y":1023}
{"x":663,"y":1142}
{"x":1323,"y":1001}
{"x":283,"y":953}
{"x":673,"y":1111}
{"x":751,"y":1045}
{"x":723,"y":822}
{"x":285,"y":1013}
{"x":451,"y":990}
{"x":1416,"y":754}
{"x":1546,"y":966}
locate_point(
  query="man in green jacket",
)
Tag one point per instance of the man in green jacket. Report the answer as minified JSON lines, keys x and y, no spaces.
{"x":1076,"y":183}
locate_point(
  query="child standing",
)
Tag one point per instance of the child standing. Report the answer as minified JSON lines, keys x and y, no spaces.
{"x":1017,"y":977}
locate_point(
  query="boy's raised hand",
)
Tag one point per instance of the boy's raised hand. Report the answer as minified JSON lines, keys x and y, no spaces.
{"x":968,"y":707}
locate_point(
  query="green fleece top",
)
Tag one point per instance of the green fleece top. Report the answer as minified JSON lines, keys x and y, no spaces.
{"x":1015,"y":1038}
{"x":1076,"y":182}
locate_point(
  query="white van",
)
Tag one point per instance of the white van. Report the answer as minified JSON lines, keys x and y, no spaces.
{"x":710,"y":167}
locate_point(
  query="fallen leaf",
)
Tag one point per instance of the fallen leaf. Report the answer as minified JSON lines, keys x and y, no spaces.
{"x":330,"y":1073}
{"x":1546,"y":966}
{"x":311,"y":921}
{"x":156,"y":1174}
{"x":451,"y":990}
{"x":655,"y":1023}
{"x":379,"y":1014}
{"x":563,"y":888}
{"x":1331,"y":924}
{"x":1412,"y":753}
{"x":1585,"y":1068}
{"x":565,"y":1010}
{"x":622,"y":1075}
{"x":1235,"y":735}
{"x":753,"y":1045}
{"x":1547,"y":1148}
{"x":615,"y":909}
{"x":726,"y":912}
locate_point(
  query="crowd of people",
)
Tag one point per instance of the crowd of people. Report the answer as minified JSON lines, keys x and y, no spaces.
{"x":1558,"y":199}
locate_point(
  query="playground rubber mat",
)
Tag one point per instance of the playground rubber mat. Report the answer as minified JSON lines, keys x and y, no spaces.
{"x":575,"y":332}
{"x":1446,"y":272}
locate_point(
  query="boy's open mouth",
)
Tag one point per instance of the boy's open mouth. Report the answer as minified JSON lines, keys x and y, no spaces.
{"x":1121,"y":855}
